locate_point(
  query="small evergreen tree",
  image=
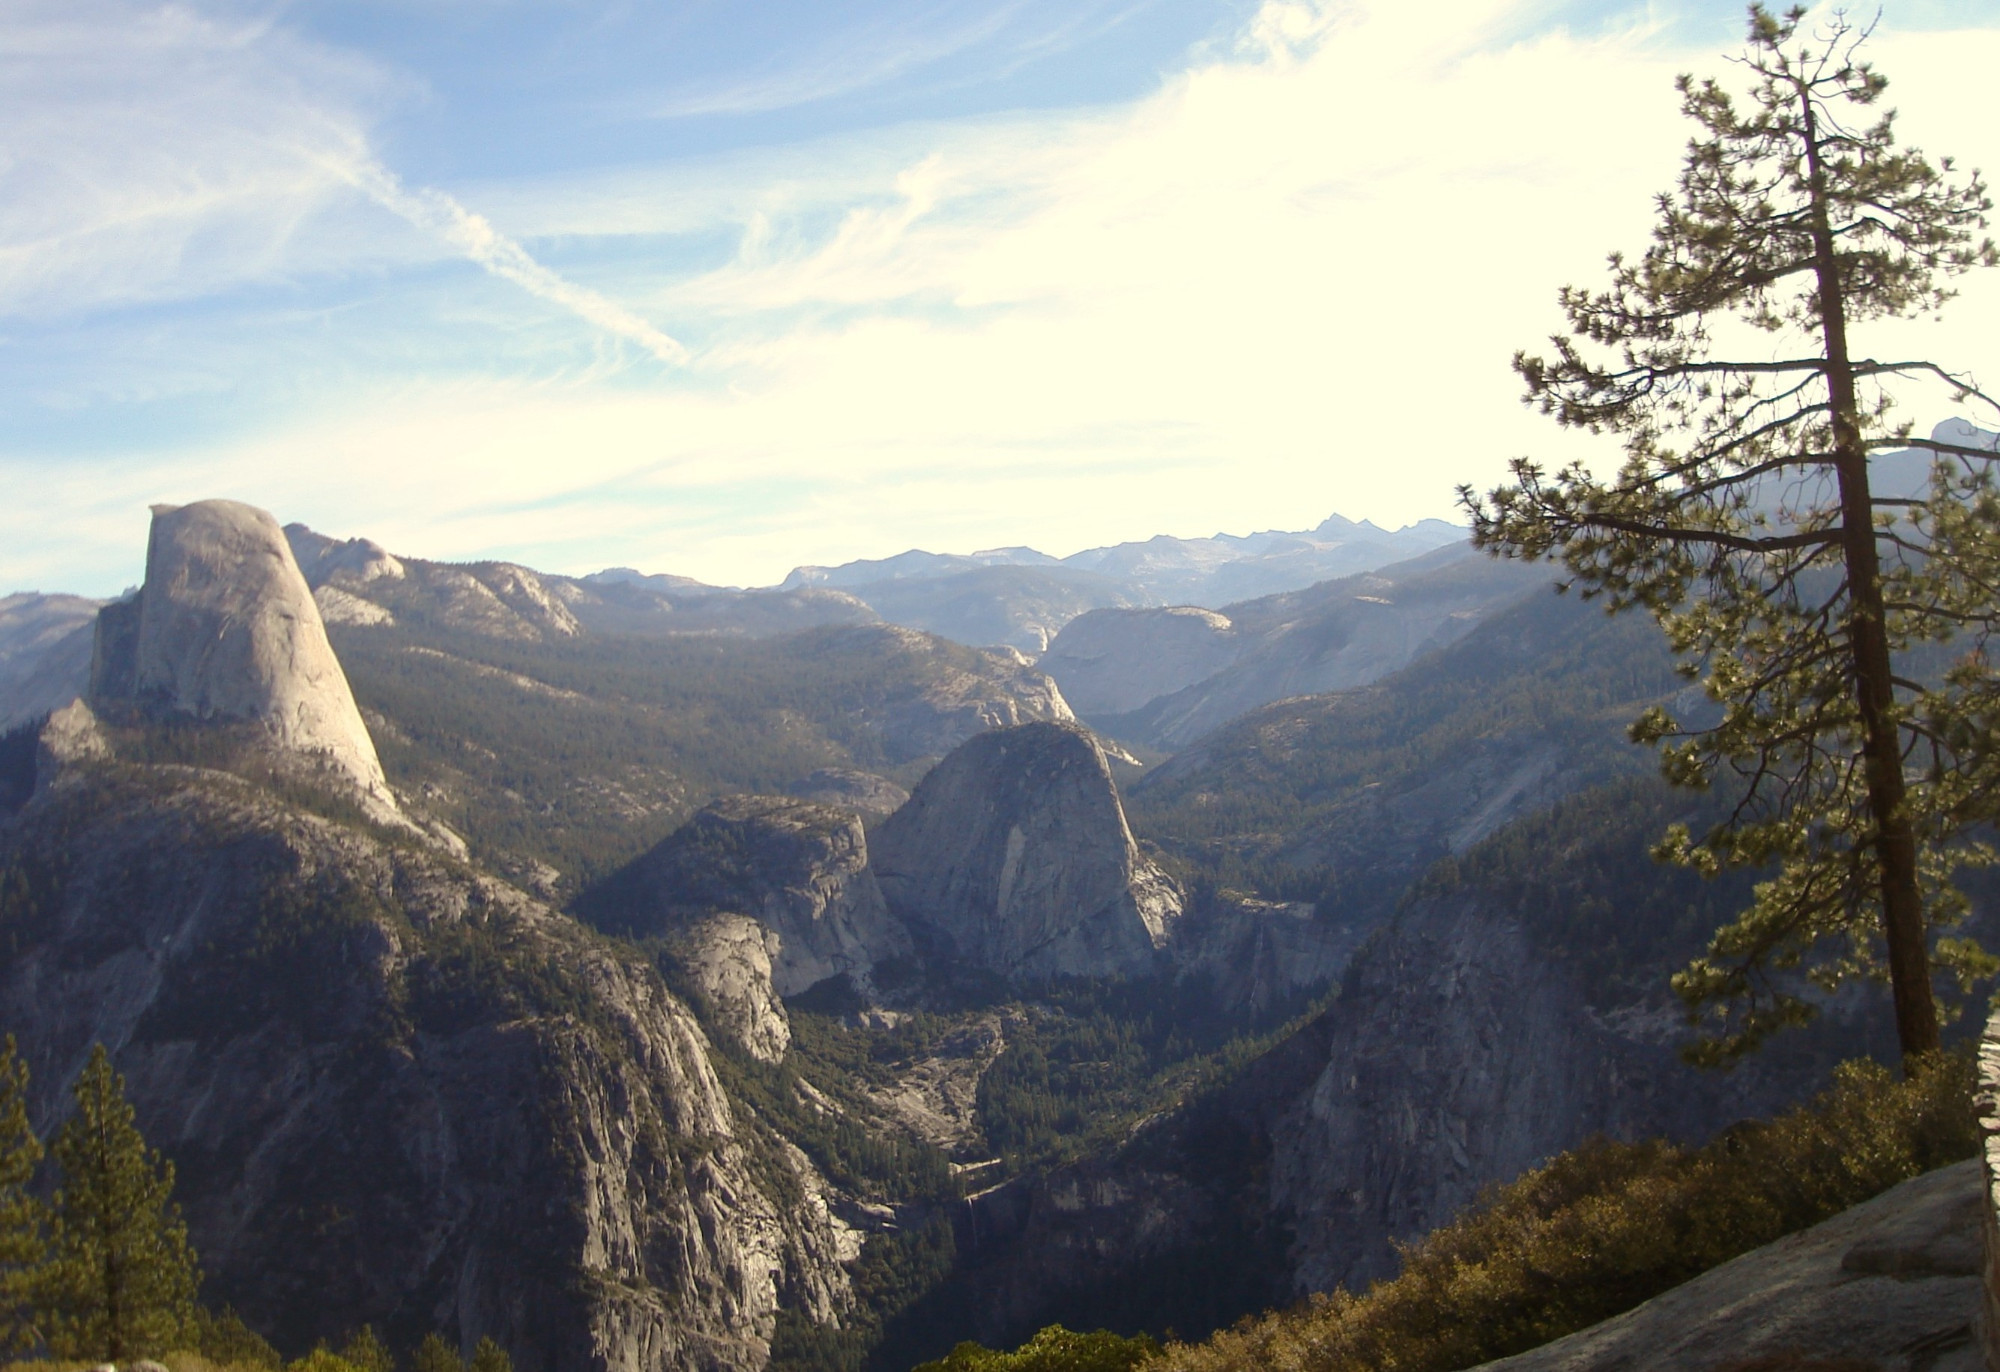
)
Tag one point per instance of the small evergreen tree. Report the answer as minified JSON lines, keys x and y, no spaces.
{"x":226,"y":1341}
{"x":489,"y":1356}
{"x":435,"y":1355}
{"x":22,"y":1219}
{"x":120,"y":1279}
{"x":367,"y":1352}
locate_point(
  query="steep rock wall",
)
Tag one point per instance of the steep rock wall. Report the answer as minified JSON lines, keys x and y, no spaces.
{"x":397,"y":1091}
{"x":799,"y":869}
{"x":1458,"y":1055}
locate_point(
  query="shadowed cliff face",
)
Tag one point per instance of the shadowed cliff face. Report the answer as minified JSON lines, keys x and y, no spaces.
{"x":797,"y":868}
{"x":1013,"y":854}
{"x":225,"y":628}
{"x":1459,"y":1054}
{"x":398,"y":1091}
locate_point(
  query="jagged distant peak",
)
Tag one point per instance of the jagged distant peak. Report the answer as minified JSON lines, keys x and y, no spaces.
{"x":1160,"y":552}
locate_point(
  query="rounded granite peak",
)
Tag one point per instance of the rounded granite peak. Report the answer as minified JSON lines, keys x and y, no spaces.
{"x":1013,"y":854}
{"x":225,"y":629}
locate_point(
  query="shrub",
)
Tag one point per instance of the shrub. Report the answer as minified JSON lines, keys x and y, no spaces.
{"x":225,"y":1341}
{"x":321,"y":1359}
{"x":1055,"y":1349}
{"x":1603,"y":1228}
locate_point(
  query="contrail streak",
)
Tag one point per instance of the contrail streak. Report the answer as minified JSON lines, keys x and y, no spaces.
{"x":474,"y":235}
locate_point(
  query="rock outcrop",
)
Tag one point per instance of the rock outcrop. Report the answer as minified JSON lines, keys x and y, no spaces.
{"x":1892,"y":1284}
{"x":1013,"y":854}
{"x":800,"y":870}
{"x":225,"y":629}
{"x":397,"y":1091}
{"x":727,"y":960}
{"x":358,"y":582}
{"x":353,"y":562}
{"x":963,"y":693}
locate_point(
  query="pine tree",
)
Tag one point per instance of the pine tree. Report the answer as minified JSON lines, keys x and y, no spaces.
{"x":22,"y":1217}
{"x":367,"y":1352}
{"x":224,"y":1339}
{"x":489,"y":1356}
{"x":435,"y":1355}
{"x":1743,"y":520}
{"x":120,"y":1280}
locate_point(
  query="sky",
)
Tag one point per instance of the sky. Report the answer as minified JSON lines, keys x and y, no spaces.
{"x":721,"y":289}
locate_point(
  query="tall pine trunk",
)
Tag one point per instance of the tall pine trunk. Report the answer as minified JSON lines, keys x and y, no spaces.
{"x":1868,"y":643}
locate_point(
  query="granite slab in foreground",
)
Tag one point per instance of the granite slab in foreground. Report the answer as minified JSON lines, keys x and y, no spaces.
{"x":1889,"y":1286}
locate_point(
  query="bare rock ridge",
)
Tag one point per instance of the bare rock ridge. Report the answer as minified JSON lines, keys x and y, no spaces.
{"x":1013,"y":854}
{"x":1332,"y":636}
{"x":225,"y":629}
{"x":799,"y":869}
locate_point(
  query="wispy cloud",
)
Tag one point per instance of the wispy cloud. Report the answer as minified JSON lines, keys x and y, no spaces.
{"x":1286,"y":282}
{"x":852,"y":61}
{"x":156,"y":154}
{"x":475,"y":237}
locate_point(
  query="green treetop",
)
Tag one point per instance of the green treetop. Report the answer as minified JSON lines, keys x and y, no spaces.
{"x":22,"y":1217}
{"x":120,"y":1280}
{"x":1743,"y":520}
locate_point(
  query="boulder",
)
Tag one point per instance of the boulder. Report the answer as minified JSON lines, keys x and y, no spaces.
{"x":1013,"y":854}
{"x":799,"y":869}
{"x":225,"y":629}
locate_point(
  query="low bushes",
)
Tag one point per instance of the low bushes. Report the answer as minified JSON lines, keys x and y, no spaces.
{"x":1603,"y":1228}
{"x":1055,"y":1349}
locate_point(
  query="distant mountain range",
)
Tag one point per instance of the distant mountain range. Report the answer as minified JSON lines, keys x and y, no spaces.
{"x":1022,"y":598}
